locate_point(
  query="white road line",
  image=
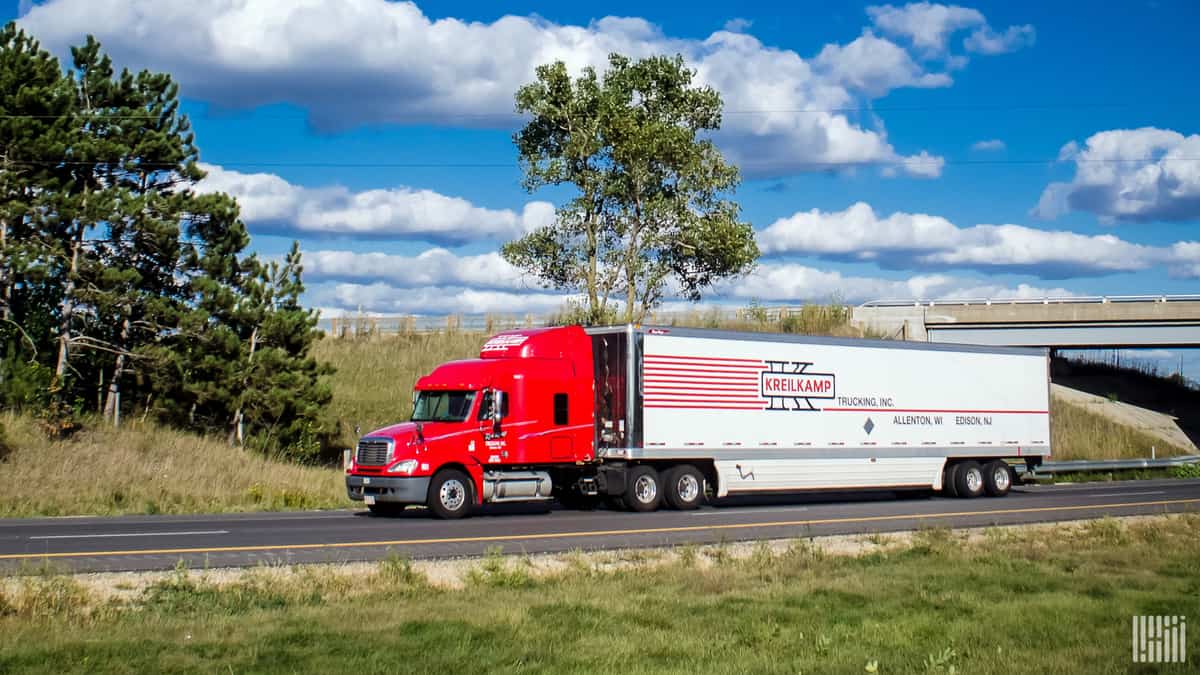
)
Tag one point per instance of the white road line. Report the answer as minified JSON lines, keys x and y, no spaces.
{"x":1129,"y":494}
{"x":128,"y":534}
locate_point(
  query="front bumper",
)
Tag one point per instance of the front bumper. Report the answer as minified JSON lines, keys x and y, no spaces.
{"x":398,"y":490}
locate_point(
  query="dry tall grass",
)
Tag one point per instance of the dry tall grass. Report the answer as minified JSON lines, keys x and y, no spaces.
{"x":145,"y":469}
{"x":1077,"y":433}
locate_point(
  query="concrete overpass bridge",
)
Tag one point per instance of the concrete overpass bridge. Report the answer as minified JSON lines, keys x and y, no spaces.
{"x":1064,"y":323}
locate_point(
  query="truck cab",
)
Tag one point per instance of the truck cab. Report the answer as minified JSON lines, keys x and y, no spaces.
{"x":502,"y":427}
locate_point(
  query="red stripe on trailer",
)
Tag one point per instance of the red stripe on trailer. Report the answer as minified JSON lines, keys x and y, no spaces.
{"x":701,"y":399}
{"x":704,"y":393}
{"x":711,"y":406}
{"x":710,"y":380}
{"x":702,"y":371}
{"x":670,"y":389}
{"x":930,"y":410}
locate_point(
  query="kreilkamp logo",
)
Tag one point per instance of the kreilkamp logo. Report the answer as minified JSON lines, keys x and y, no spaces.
{"x":789,"y":385}
{"x":1159,"y":639}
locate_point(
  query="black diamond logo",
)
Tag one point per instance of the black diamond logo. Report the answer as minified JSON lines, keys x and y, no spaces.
{"x":869,"y":426}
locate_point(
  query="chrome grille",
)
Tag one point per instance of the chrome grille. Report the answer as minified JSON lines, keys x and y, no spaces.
{"x":373,"y":451}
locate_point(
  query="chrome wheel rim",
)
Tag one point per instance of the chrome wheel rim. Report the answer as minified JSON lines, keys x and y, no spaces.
{"x":688,"y":488}
{"x":645,"y":489}
{"x":1001,"y":478}
{"x":974,"y":480}
{"x":452,"y":494}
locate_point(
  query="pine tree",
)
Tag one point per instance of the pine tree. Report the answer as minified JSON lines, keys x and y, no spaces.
{"x":35,"y":128}
{"x":119,"y":284}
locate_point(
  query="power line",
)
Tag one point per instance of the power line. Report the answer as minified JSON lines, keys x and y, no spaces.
{"x":433,"y":115}
{"x":508,"y":165}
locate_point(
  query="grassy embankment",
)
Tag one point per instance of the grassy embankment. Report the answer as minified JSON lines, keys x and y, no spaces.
{"x":143,"y":469}
{"x":1041,"y":599}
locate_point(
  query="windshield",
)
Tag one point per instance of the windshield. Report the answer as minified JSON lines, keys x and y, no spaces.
{"x":443,"y":406}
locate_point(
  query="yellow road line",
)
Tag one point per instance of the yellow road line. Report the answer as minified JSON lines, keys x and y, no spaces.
{"x":594,"y":533}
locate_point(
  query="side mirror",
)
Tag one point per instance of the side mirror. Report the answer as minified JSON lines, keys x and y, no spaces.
{"x":497,"y":410}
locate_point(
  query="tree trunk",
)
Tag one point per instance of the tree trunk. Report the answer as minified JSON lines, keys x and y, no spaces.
{"x":236,"y":431}
{"x":67,"y":308}
{"x":113,"y":400}
{"x":5,"y":275}
{"x":594,"y":309}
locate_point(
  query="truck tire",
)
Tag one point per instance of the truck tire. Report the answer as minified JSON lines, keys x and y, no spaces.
{"x":997,"y":478}
{"x":643,"y":491}
{"x":451,"y":494}
{"x":969,"y":480}
{"x":385,"y":509}
{"x":683,"y":487}
{"x":949,"y":479}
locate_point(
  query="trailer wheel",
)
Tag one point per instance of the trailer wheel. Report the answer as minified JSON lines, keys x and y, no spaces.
{"x":643,"y":492}
{"x":950,"y":479}
{"x":684,"y":487}
{"x":997,"y":478}
{"x":969,"y":481}
{"x":450,"y":494}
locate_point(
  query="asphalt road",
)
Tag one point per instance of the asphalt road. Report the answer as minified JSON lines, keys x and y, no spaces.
{"x":233,"y":540}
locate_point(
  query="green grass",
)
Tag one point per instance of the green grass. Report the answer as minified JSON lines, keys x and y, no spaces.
{"x":1027,"y":600}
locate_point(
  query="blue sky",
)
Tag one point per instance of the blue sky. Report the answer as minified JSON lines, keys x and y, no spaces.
{"x":874,"y":139}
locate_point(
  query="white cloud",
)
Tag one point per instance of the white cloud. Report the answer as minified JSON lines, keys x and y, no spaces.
{"x":992,"y":145}
{"x":987,"y":41}
{"x":1129,"y":175}
{"x":738,"y":25}
{"x":793,"y":283}
{"x":927,"y":25}
{"x":270,"y":203}
{"x":434,"y":267}
{"x":917,"y":240}
{"x":384,"y":299}
{"x":876,"y":66}
{"x":440,"y":282}
{"x":351,"y":62}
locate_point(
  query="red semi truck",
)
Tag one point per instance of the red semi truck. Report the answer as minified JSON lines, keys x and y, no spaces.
{"x":648,"y":416}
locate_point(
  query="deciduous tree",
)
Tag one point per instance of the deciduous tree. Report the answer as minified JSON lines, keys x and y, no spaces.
{"x":653,"y":214}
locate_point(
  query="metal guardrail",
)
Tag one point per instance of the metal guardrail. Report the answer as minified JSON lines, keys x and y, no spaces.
{"x":1084,"y":465}
{"x":1074,"y":299}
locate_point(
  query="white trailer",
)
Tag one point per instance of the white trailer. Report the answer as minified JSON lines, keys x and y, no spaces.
{"x":778,"y":413}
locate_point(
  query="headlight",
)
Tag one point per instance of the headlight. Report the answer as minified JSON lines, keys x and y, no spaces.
{"x":407,"y":466}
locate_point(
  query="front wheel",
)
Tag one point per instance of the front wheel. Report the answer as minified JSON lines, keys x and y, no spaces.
{"x":450,"y":494}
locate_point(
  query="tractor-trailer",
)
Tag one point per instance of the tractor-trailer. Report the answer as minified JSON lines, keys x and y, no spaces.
{"x":643,"y":417}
